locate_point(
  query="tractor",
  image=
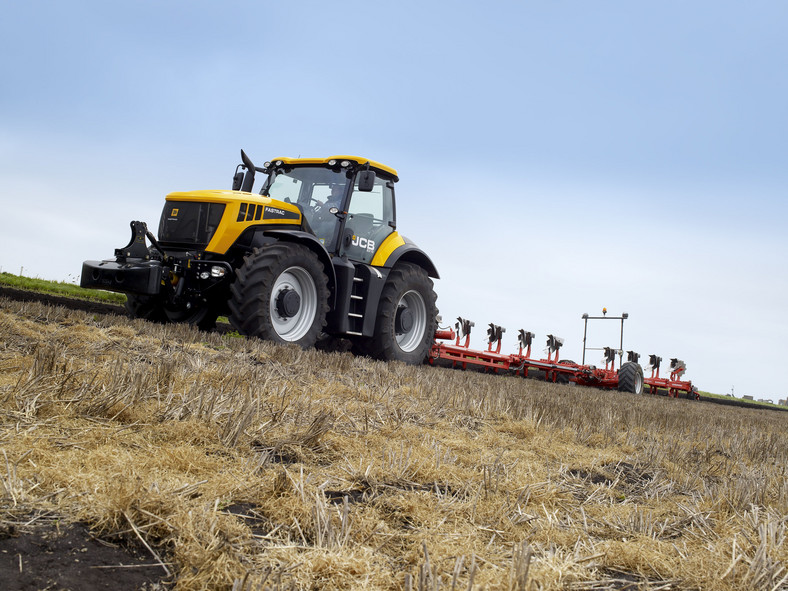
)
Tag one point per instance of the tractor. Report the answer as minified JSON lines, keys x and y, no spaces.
{"x":315,"y":252}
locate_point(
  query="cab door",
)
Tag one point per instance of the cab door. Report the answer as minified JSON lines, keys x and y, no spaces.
{"x":370,"y":219}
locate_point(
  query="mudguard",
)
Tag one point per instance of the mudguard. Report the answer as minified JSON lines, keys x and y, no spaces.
{"x":410,"y":253}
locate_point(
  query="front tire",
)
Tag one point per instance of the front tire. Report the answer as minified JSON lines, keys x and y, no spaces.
{"x":630,"y":378}
{"x":407,"y":316}
{"x":154,"y":309}
{"x":203,"y":317}
{"x":280,"y":294}
{"x":149,"y":308}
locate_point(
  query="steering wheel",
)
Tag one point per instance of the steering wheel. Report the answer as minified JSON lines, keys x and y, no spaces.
{"x":322,"y":211}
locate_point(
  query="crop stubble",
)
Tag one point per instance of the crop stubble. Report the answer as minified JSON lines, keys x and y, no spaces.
{"x":239,"y":464}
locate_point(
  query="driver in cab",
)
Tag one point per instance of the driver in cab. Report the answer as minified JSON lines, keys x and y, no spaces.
{"x":335,"y":198}
{"x":324,"y":222}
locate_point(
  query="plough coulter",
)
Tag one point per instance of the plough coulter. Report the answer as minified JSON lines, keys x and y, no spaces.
{"x":629,"y":377}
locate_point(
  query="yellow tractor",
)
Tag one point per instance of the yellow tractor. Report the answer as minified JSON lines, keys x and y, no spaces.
{"x":314,"y":252}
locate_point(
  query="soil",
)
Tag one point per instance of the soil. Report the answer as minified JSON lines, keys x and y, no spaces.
{"x":68,"y":557}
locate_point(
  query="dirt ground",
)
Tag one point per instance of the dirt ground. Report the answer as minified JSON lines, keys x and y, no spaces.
{"x":59,"y":557}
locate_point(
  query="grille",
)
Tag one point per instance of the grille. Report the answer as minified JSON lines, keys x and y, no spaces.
{"x":189,"y":223}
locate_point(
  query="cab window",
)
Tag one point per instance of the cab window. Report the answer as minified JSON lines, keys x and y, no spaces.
{"x":370,"y":219}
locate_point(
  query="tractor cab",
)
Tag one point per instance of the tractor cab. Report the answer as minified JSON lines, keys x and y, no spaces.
{"x":347,"y":203}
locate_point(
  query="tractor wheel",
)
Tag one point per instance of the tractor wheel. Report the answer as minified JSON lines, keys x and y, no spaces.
{"x":630,"y":378}
{"x":280,"y":294}
{"x":407,"y":317}
{"x":154,"y":309}
{"x":203,"y":317}
{"x":146,"y":307}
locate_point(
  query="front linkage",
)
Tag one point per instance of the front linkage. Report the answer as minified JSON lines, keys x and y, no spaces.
{"x":183,"y":281}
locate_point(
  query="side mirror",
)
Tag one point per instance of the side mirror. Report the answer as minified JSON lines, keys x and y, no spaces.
{"x":238,"y":179}
{"x":366,"y":180}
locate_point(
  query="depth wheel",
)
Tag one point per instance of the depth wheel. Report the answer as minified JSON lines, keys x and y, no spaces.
{"x":630,"y":378}
{"x":563,"y":378}
{"x":280,"y":294}
{"x":407,"y":316}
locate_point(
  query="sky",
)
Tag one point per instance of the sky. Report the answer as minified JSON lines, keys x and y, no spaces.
{"x":554,"y":158}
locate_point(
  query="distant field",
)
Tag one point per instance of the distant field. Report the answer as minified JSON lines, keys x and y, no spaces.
{"x":213,"y":462}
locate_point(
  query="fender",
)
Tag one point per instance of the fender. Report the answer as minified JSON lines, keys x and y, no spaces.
{"x":397,"y":248}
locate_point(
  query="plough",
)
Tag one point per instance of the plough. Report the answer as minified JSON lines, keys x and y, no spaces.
{"x":628,"y":378}
{"x":674,"y":385}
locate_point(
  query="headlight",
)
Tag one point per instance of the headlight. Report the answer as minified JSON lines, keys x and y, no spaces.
{"x":215,"y":272}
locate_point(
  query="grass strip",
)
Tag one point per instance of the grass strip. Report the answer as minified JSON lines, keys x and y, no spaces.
{"x":60,"y":288}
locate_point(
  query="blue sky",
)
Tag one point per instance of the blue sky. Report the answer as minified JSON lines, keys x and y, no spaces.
{"x":555,"y":157}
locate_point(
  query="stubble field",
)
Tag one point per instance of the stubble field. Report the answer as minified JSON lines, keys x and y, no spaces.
{"x":140,"y":456}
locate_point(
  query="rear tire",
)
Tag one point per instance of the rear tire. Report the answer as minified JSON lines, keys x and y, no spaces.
{"x":280,"y":294}
{"x":630,"y":378}
{"x":407,"y":317}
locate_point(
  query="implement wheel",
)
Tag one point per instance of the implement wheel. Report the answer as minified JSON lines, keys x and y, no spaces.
{"x":630,"y":378}
{"x":280,"y":294}
{"x":407,"y":317}
{"x":563,"y":378}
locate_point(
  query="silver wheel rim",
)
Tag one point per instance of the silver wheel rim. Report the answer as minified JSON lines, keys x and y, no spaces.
{"x":410,"y":340}
{"x":638,"y":383}
{"x":295,"y":327}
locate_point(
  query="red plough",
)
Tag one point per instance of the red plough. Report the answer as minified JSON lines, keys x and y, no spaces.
{"x":628,"y":378}
{"x":674,"y":385}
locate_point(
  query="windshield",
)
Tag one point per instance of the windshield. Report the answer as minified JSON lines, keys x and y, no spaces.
{"x":315,"y":190}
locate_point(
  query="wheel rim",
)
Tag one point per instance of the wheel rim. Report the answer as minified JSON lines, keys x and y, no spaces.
{"x":413,"y":305}
{"x":638,"y":383}
{"x":298,"y":280}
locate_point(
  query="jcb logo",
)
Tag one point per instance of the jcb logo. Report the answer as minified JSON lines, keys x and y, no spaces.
{"x":369,"y":245}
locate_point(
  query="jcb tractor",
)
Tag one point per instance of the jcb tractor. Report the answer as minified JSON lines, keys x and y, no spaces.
{"x":315,"y":251}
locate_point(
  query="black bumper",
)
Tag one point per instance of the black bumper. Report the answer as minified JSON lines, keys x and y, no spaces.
{"x":138,"y":277}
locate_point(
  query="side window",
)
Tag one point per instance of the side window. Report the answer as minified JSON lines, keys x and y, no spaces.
{"x":370,"y":217}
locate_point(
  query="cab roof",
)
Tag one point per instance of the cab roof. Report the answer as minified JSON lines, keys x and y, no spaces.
{"x":387,"y":170}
